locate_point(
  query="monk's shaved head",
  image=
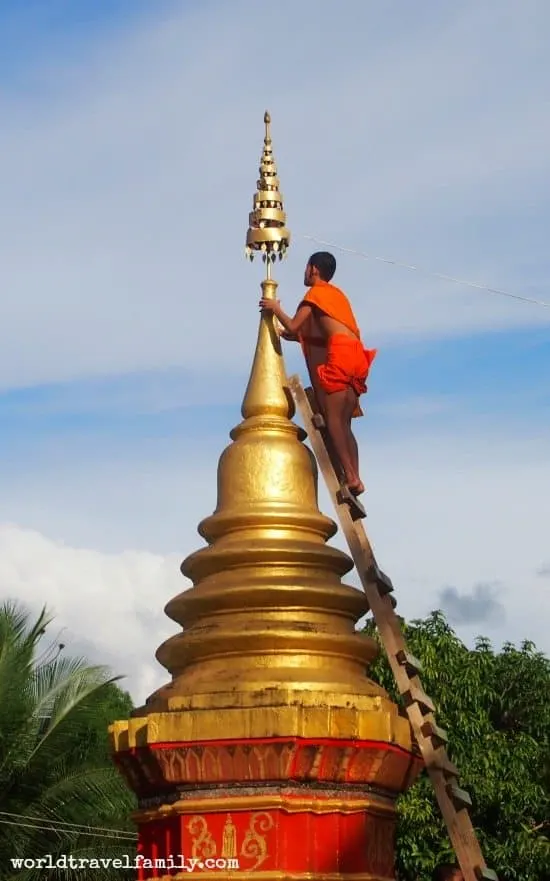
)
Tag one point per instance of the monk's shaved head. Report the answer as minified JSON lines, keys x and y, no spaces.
{"x":324,"y":263}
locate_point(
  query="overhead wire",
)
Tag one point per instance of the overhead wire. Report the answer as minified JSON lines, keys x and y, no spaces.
{"x":390,"y":261}
{"x":45,"y":824}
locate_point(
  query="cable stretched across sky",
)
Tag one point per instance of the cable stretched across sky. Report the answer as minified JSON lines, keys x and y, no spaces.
{"x":46,"y":824}
{"x":439,"y":275}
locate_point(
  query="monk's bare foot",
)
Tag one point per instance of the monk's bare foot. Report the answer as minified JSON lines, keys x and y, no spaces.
{"x":354,"y":484}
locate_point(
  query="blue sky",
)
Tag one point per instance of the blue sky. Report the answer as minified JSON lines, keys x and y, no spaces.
{"x":130,"y":134}
{"x":502,"y":376}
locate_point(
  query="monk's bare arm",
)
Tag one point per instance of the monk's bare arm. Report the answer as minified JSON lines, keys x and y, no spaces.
{"x":291,"y":325}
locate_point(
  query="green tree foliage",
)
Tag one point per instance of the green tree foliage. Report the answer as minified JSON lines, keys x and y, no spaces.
{"x":495,"y":707}
{"x":59,"y":790}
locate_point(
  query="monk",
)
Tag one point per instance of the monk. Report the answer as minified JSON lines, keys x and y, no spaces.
{"x":337,"y":361}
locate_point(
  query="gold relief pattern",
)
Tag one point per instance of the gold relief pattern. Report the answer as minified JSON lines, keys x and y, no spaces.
{"x":226,"y":763}
{"x":317,"y":762}
{"x":172,"y":764}
{"x":304,"y":761}
{"x":229,"y":839}
{"x":255,"y":843}
{"x":211,"y":764}
{"x":332,"y":757}
{"x":285,"y":761}
{"x":241,"y":764}
{"x":192,"y":767}
{"x":346,"y":756}
{"x":203,"y":845}
{"x":259,"y":756}
{"x":364,"y":765}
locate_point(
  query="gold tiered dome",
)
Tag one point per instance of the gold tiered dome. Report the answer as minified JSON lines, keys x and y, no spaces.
{"x":268,"y":629}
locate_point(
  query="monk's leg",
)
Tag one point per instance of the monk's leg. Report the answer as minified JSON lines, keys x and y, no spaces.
{"x":321,"y":397}
{"x":339,"y":428}
{"x":353,"y":401}
{"x":321,"y":400}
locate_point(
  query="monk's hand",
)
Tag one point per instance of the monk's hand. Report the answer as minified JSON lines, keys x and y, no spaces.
{"x":270,"y":305}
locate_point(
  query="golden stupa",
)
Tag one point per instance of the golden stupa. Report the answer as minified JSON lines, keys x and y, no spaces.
{"x":268,"y":629}
{"x":267,"y":647}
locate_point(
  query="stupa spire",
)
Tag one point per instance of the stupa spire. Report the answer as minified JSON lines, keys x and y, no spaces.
{"x":268,"y":607}
{"x":267,"y":234}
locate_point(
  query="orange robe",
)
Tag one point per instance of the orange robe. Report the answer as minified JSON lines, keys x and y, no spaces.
{"x":342,"y":361}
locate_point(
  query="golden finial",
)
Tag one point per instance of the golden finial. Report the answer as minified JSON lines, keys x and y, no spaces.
{"x":266,"y":231}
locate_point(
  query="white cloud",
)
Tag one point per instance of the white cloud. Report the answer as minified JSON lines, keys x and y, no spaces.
{"x":126,"y":182}
{"x":444,"y":512}
{"x":110,"y":605}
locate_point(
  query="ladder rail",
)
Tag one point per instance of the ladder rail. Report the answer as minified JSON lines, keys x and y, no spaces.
{"x":453,"y":801}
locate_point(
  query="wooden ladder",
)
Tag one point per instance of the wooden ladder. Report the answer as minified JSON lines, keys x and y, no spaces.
{"x":453,"y":801}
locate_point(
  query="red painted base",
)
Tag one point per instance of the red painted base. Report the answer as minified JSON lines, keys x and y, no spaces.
{"x":279,"y":808}
{"x":279,"y":841}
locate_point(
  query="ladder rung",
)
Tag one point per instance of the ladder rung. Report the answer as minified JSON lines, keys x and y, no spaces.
{"x":459,"y":797}
{"x":430,"y":729}
{"x":443,"y":763}
{"x":309,"y":393}
{"x":345,"y":497}
{"x":415,"y":695}
{"x":317,"y":420}
{"x":385,"y":580}
{"x":383,"y":583}
{"x":411,"y":664}
{"x":485,"y":874}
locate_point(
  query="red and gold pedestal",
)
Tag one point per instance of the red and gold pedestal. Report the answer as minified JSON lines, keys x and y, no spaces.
{"x":267,"y":808}
{"x":294,"y":833}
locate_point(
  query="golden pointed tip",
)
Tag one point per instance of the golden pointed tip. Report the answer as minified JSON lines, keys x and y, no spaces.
{"x":267,"y":118}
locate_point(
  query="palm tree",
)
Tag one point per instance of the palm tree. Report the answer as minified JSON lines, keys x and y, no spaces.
{"x":59,"y":791}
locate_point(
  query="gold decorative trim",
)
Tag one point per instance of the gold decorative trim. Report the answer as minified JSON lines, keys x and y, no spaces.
{"x":276,"y":875}
{"x":291,"y":805}
{"x":367,"y":717}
